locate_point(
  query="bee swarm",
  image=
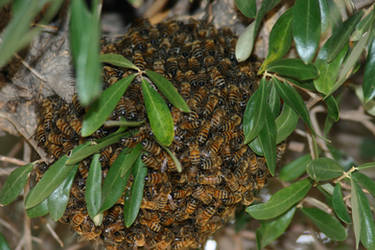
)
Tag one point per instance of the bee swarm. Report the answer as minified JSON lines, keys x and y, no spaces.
{"x":179,"y":210}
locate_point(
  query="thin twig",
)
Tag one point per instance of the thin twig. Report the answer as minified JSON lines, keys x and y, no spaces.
{"x":20,"y":243}
{"x":318,"y":204}
{"x":54,"y":235}
{"x":317,"y":129}
{"x":32,"y":70}
{"x":10,"y":227}
{"x":27,"y":222}
{"x":12,"y":160}
{"x":359,"y":116}
{"x":6,"y":171}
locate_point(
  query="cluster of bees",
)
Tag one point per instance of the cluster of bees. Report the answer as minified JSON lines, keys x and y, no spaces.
{"x":178,"y":210}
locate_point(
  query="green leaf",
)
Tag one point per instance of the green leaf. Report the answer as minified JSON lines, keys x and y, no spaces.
{"x":356,"y":212}
{"x":281,"y":201}
{"x":51,"y":179}
{"x":267,"y":139}
{"x":84,"y":41}
{"x":174,"y":159}
{"x":367,"y":225}
{"x":365,"y":181}
{"x":326,"y":223}
{"x":245,"y":43}
{"x":247,"y":7}
{"x":3,"y":242}
{"x":294,"y":100}
{"x":117,"y":60}
{"x":158,"y":114}
{"x":369,"y":75}
{"x":323,"y":169}
{"x":280,"y":39}
{"x":168,"y":90}
{"x":254,"y":116}
{"x":339,"y":206}
{"x":114,"y":184}
{"x":306,"y":28}
{"x":39,"y":210}
{"x":366,"y":165}
{"x":294,"y":68}
{"x":14,"y":184}
{"x":266,"y":6}
{"x":59,"y":198}
{"x":130,"y":159}
{"x":133,"y":203}
{"x":256,"y":147}
{"x":101,"y":109}
{"x":339,"y":38}
{"x":328,"y":72}
{"x":93,"y":193}
{"x":295,"y":169}
{"x":332,"y":107}
{"x":274,"y":101}
{"x":324,"y":15}
{"x":286,"y":122}
{"x":269,"y":231}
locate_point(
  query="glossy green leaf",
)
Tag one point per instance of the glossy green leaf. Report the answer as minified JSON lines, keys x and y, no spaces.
{"x":295,"y":169}
{"x":280,"y":38}
{"x":168,"y":90}
{"x":3,"y":242}
{"x":370,"y":105}
{"x":328,"y":72}
{"x":306,"y":28}
{"x":39,"y":210}
{"x":326,"y":223}
{"x":114,"y":184}
{"x":101,"y":109}
{"x":369,"y":75}
{"x":294,"y":68}
{"x":286,"y":123}
{"x":266,"y":6}
{"x":366,"y":165}
{"x":130,"y":159}
{"x":269,"y":231}
{"x":363,"y":26}
{"x":339,"y":38}
{"x":93,"y":192}
{"x":58,"y":199}
{"x":51,"y":179}
{"x":247,"y":7}
{"x":117,"y":60}
{"x":281,"y":201}
{"x":133,"y":203}
{"x":332,"y":107}
{"x":256,"y":147}
{"x":158,"y":114}
{"x":294,"y":100}
{"x":323,"y":169}
{"x":267,"y":140}
{"x":339,"y":206}
{"x":365,"y":181}
{"x":14,"y":184}
{"x":363,"y":216}
{"x":356,"y":212}
{"x":254,"y":115}
{"x":84,"y":41}
{"x":174,"y":159}
{"x":274,"y":101}
{"x":245,"y":43}
{"x":324,"y":15}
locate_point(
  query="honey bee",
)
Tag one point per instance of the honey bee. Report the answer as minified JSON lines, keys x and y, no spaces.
{"x":151,"y":147}
{"x":114,"y":156}
{"x":167,"y":220}
{"x":194,"y":64}
{"x":280,"y":151}
{"x":231,"y":181}
{"x":64,"y":127}
{"x":233,"y":198}
{"x":83,"y":170}
{"x":231,"y":124}
{"x":183,"y":243}
{"x":78,"y":218}
{"x":182,"y":193}
{"x":106,"y":154}
{"x":237,"y":156}
{"x":55,"y":150}
{"x":131,"y":105}
{"x":210,"y":46}
{"x":162,"y":198}
{"x":211,"y":163}
{"x":113,"y":214}
{"x":215,"y":145}
{"x":92,"y":234}
{"x":76,"y":125}
{"x":209,"y":61}
{"x":185,"y":89}
{"x":137,"y":41}
{"x":150,"y":161}
{"x":189,"y":125}
{"x":260,"y":179}
{"x":121,"y":107}
{"x":194,"y":154}
{"x":116,"y":231}
{"x":205,"y":214}
{"x":77,"y":106}
{"x":218,"y":193}
{"x":234,"y":96}
{"x":218,"y":79}
{"x":226,"y":152}
{"x":171,"y":66}
{"x":156,"y":178}
{"x":159,"y":67}
{"x":210,"y":179}
{"x":217,"y":117}
{"x":248,"y":198}
{"x":210,"y":105}
{"x":191,"y":206}
{"x":151,"y":224}
{"x":40,"y":135}
{"x":139,"y":238}
{"x":152,"y":205}
{"x":203,"y":133}
{"x":139,"y":61}
{"x":201,"y":194}
{"x":224,"y":64}
{"x":253,"y":164}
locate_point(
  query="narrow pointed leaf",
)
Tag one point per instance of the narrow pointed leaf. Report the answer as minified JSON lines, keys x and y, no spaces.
{"x":267,"y":139}
{"x":101,"y":109}
{"x":130,"y":159}
{"x":323,"y":169}
{"x":281,"y":201}
{"x":14,"y":184}
{"x":295,"y":169}
{"x":168,"y":90}
{"x":3,"y":243}
{"x":117,"y":60}
{"x":133,"y":203}
{"x":174,"y":159}
{"x":324,"y":15}
{"x":339,"y":38}
{"x":286,"y":123}
{"x":266,"y":6}
{"x":51,"y":179}
{"x":245,"y":43}
{"x":114,"y":184}
{"x":59,"y":198}
{"x":158,"y":114}
{"x":356,"y":212}
{"x":280,"y":38}
{"x":93,"y":193}
{"x":366,"y":165}
{"x":247,"y":7}
{"x":294,"y":100}
{"x":339,"y":206}
{"x":306,"y":28}
{"x":294,"y":68}
{"x":274,"y":101}
{"x":365,"y":181}
{"x":326,"y":223}
{"x":254,"y":115}
{"x":364,"y":25}
{"x":332,"y":107}
{"x":39,"y":210}
{"x":369,"y":76}
{"x":256,"y":147}
{"x":269,"y":231}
